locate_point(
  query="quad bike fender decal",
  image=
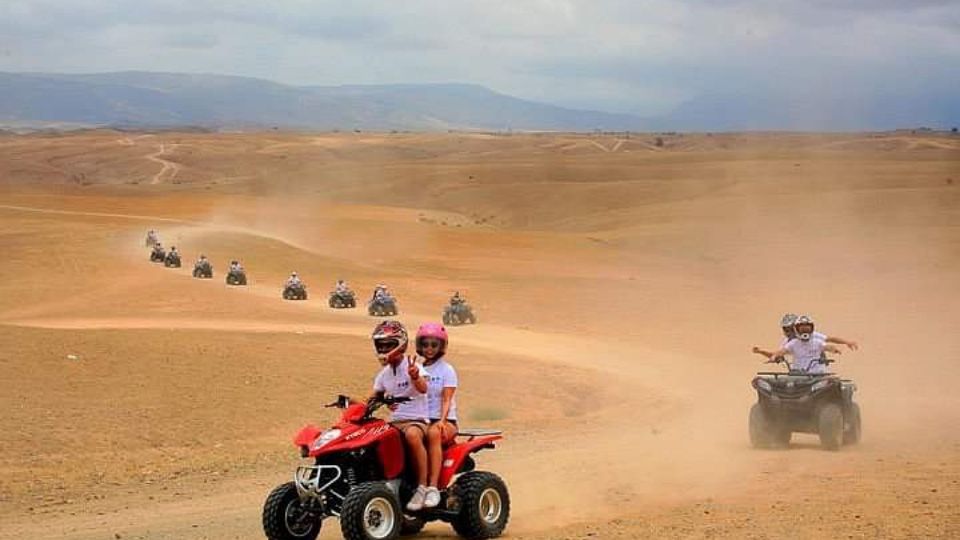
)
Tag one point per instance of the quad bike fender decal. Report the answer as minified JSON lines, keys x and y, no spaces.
{"x":454,"y":456}
{"x":356,"y":436}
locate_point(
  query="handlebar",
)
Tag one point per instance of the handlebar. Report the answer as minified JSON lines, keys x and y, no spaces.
{"x":374,"y":403}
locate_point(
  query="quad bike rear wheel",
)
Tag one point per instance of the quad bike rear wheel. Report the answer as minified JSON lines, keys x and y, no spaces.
{"x":371,"y":511}
{"x":284,"y":517}
{"x":484,"y":505}
{"x":830,"y":426}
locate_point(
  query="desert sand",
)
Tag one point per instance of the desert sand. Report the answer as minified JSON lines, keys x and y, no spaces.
{"x":619,"y":285}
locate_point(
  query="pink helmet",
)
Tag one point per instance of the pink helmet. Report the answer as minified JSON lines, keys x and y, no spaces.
{"x":432,"y":330}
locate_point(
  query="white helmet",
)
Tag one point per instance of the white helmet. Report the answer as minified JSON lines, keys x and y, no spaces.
{"x":804,"y":327}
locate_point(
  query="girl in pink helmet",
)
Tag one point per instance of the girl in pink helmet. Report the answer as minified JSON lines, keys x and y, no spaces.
{"x":441,"y":404}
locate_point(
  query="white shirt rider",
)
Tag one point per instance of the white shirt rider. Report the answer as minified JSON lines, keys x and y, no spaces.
{"x":441,"y":375}
{"x":394,"y":381}
{"x":806,"y":354}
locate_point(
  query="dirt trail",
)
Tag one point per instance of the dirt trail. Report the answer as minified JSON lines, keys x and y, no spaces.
{"x":167,"y":166}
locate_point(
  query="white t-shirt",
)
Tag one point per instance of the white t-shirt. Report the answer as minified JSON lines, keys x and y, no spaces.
{"x":442,"y":375}
{"x":395,"y":382}
{"x":806,"y":353}
{"x":815,"y":335}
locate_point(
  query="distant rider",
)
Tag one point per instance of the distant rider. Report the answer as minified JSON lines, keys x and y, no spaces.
{"x":806,"y":348}
{"x":236,"y":267}
{"x":456,"y":299}
{"x":341,"y":287}
{"x":293,"y":282}
{"x":173,"y":253}
{"x":158,"y":249}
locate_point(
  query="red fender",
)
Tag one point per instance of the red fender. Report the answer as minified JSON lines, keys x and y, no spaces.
{"x":454,"y":456}
{"x":307,"y":435}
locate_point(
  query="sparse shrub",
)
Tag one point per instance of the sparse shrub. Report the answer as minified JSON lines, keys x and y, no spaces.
{"x":658,"y":142}
{"x":484,"y":414}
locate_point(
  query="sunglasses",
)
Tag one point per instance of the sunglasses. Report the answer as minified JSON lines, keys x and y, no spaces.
{"x":431,"y":343}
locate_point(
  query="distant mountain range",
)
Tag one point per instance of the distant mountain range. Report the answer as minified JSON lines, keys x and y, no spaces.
{"x":157,"y":100}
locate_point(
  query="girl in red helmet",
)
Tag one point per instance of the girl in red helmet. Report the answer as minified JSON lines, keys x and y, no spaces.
{"x":442,"y":405}
{"x":403,"y":377}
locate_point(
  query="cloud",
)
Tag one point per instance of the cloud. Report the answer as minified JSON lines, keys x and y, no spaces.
{"x":620,"y":55}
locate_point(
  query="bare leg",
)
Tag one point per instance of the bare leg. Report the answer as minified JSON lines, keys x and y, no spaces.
{"x":414,"y":438}
{"x":434,"y":441}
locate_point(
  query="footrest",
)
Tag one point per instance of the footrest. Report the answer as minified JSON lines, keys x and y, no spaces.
{"x":478,"y":432}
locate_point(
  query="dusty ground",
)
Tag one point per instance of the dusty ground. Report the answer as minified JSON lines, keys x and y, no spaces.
{"x":619,"y":285}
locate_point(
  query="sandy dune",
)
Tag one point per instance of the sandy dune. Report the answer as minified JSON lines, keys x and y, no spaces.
{"x":619,"y":284}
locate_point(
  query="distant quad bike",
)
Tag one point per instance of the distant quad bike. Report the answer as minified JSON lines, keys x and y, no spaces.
{"x":457,"y":314}
{"x":172,"y":260}
{"x":341,"y":300}
{"x":203,"y":270}
{"x":382,"y":306}
{"x":360,"y":474}
{"x":158,"y":255}
{"x":295,"y":292}
{"x":236,"y":277}
{"x":820,"y":403}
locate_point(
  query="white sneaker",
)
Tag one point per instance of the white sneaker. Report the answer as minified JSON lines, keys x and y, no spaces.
{"x":432,"y":498}
{"x":416,"y":502}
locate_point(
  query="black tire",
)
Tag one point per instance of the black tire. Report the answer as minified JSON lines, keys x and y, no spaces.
{"x":473,"y":318}
{"x":411,"y":525}
{"x":281,"y":507}
{"x":762,"y":434}
{"x":484,"y":505}
{"x":446,"y":319}
{"x":830,"y":426}
{"x":371,"y":511}
{"x":852,"y":427}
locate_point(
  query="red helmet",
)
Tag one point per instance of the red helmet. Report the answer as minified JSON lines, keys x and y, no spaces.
{"x":390,"y":341}
{"x":432,"y":330}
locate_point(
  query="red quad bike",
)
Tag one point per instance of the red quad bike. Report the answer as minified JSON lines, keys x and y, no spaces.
{"x":359,"y":473}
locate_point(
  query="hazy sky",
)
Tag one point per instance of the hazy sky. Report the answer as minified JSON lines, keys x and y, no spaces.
{"x":640,"y":56}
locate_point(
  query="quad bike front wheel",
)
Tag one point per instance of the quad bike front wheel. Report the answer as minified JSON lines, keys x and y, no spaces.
{"x":285,"y":518}
{"x":484,"y":505}
{"x":852,"y":428}
{"x":830,"y":426}
{"x":371,"y":511}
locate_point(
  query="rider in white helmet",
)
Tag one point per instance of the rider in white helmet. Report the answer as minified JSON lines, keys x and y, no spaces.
{"x":788,"y":321}
{"x":294,"y":280}
{"x":341,"y":286}
{"x":806,"y":347}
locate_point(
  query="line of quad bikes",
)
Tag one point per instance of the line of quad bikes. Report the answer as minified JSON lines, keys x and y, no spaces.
{"x":357,"y":469}
{"x":385,"y":305}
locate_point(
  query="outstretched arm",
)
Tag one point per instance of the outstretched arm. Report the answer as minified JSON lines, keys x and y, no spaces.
{"x":769,"y":354}
{"x":852,"y":345}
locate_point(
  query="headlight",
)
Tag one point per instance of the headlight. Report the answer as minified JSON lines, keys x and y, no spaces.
{"x":762,"y":384}
{"x":326,"y":437}
{"x":819,"y":385}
